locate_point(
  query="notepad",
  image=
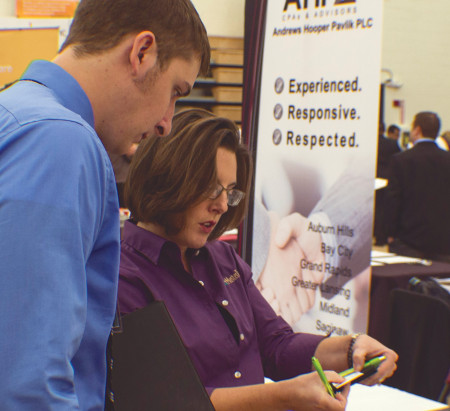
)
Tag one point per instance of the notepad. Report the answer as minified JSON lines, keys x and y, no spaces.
{"x":383,"y":397}
{"x":150,"y":367}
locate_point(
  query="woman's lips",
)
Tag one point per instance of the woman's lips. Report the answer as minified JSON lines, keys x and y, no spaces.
{"x":207,"y":226}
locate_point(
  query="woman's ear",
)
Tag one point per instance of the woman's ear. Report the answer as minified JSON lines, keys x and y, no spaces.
{"x":143,"y":54}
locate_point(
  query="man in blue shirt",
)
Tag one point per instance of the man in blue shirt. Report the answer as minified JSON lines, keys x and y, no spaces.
{"x":114,"y":81}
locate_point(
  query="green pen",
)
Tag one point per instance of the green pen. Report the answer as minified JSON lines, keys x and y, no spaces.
{"x":318,"y":368}
{"x":372,"y":363}
{"x":351,"y":376}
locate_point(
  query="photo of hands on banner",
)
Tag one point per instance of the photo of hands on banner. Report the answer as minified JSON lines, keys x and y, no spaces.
{"x":311,"y":243}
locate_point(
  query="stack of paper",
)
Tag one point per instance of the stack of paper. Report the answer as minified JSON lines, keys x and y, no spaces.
{"x":383,"y":397}
{"x":383,"y":258}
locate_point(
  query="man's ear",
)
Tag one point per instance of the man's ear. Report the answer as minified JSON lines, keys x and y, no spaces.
{"x":418,"y":129}
{"x":415,"y":133}
{"x":143,"y":54}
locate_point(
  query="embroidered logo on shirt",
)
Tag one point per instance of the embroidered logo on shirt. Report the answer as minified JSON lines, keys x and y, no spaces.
{"x":232,"y":278}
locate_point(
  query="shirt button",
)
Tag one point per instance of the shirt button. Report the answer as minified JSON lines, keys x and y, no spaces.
{"x":225,"y":303}
{"x":196,"y":252}
{"x":237,"y":374}
{"x":202,"y":283}
{"x":242,"y":337}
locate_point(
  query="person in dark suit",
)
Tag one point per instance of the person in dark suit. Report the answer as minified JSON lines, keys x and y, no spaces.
{"x":386,"y":149}
{"x":393,"y":132}
{"x":417,"y":195}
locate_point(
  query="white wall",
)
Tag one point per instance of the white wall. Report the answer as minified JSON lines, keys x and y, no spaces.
{"x":7,"y":8}
{"x":416,"y":34}
{"x":416,"y":39}
{"x":221,"y":18}
{"x":8,"y":20}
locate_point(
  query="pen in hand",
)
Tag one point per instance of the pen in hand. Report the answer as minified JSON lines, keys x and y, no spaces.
{"x":318,"y":368}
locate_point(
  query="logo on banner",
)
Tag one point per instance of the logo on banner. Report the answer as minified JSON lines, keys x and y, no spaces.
{"x":316,"y":3}
{"x":296,"y":9}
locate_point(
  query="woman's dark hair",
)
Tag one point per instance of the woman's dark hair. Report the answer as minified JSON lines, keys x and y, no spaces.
{"x":168,"y":175}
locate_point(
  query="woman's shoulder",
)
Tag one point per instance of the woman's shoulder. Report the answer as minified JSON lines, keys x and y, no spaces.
{"x":225,"y":255}
{"x":219,"y":248}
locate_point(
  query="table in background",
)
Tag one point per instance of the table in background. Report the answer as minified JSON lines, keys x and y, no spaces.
{"x":387,"y":277}
{"x":415,"y":325}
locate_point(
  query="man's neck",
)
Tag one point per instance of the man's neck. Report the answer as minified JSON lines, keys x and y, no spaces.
{"x":101,"y":77}
{"x":424,"y":139}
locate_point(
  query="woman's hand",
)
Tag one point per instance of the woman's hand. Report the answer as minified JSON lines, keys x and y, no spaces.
{"x":333,"y":353}
{"x":303,"y":393}
{"x":365,"y":348}
{"x":308,"y":393}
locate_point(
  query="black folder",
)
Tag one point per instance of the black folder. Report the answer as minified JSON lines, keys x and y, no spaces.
{"x":149,"y":368}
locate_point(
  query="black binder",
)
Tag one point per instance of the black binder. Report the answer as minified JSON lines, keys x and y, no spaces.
{"x":149,"y":368}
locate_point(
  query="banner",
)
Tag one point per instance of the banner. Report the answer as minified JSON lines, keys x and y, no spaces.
{"x":315,"y":161}
{"x":21,"y":46}
{"x":46,"y":8}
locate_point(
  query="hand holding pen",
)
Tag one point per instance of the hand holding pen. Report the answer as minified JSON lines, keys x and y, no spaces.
{"x":309,"y":393}
{"x":366,"y":348}
{"x":353,"y":351}
{"x":323,"y":377}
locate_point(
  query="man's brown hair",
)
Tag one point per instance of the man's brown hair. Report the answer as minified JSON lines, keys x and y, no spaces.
{"x":169,"y":175}
{"x":428,"y":122}
{"x":99,"y":25}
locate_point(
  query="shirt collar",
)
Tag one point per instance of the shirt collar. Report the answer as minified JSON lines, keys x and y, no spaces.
{"x":425,"y":140}
{"x":64,"y":86}
{"x":149,"y":244}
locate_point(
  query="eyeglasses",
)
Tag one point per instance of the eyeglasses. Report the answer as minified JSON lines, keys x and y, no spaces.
{"x":234,"y":196}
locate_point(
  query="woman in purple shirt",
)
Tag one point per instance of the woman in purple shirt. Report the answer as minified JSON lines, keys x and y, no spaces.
{"x":183,"y":192}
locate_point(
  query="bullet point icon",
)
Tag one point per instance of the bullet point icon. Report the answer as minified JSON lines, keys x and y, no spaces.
{"x":279,"y":85}
{"x":278,"y":111}
{"x":276,"y":136}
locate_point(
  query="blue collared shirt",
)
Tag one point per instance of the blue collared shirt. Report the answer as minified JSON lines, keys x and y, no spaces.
{"x":59,"y":245}
{"x":229,"y":349}
{"x":425,"y":139}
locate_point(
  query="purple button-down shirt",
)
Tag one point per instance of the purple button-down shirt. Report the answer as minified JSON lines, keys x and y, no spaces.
{"x":258,"y":343}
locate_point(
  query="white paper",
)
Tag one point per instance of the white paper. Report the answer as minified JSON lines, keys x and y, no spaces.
{"x":383,"y":397}
{"x":378,"y":253}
